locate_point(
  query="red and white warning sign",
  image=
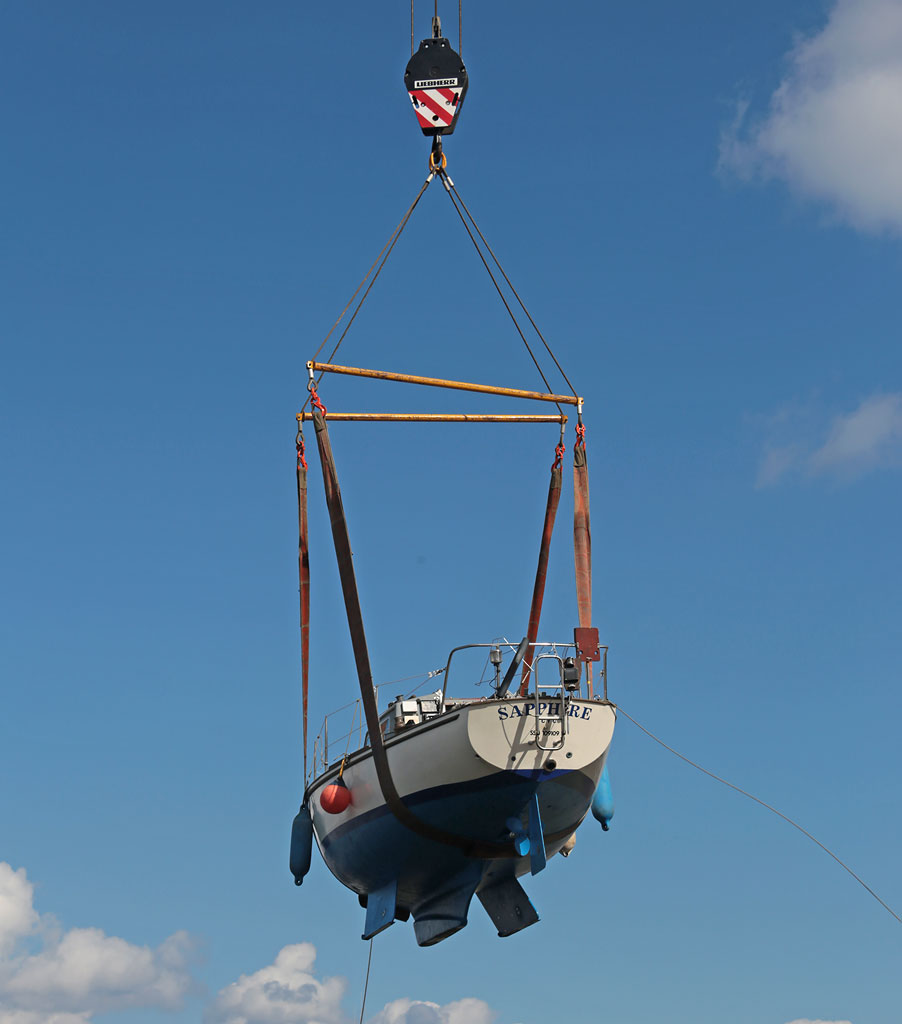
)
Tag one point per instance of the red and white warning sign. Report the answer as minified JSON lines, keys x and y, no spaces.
{"x":435,"y":108}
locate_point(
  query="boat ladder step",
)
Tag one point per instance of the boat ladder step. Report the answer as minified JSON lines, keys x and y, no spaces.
{"x":550,"y":710}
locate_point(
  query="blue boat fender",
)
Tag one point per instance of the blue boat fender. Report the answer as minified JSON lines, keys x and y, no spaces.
{"x":603,"y":801}
{"x":301,"y":844}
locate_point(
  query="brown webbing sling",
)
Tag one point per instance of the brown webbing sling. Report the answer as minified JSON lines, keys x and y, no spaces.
{"x":582,"y":535}
{"x":538,"y":590}
{"x":303,"y":583}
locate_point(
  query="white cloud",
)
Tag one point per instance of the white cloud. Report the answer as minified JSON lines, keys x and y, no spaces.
{"x":804,"y":1020}
{"x":286,"y":992}
{"x":777,"y":461}
{"x":81,"y":972}
{"x":832,"y":130}
{"x":87,"y":971}
{"x":53,"y":976}
{"x":17,"y":914}
{"x":36,"y":1017}
{"x":869,"y":437}
{"x":415,"y":1011}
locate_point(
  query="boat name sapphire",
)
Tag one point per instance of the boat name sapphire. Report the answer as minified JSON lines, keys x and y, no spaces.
{"x":552,"y":708}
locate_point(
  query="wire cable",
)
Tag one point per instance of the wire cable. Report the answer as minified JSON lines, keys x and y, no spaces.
{"x":391,"y":246}
{"x":452,"y":196}
{"x":751,"y":796}
{"x":383,"y":256}
{"x":514,"y":290}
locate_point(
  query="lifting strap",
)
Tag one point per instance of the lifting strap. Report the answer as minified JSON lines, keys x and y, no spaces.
{"x":538,"y":592}
{"x":582,"y":535}
{"x":341,"y":539}
{"x":303,"y":582}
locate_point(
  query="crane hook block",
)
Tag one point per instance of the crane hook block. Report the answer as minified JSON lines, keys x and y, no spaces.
{"x":436,"y":81}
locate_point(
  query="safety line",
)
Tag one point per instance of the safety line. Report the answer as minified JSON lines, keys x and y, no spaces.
{"x":446,"y":180}
{"x":514,"y":290}
{"x":751,"y":796}
{"x":366,"y":984}
{"x":384,"y":253}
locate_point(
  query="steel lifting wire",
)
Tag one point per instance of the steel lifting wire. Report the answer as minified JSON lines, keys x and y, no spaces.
{"x":511,"y":286}
{"x":449,"y":188}
{"x":384,"y":253}
{"x":437,"y":165}
{"x":460,"y":26}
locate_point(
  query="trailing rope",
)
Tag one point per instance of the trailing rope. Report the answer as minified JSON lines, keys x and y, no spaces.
{"x":757,"y":800}
{"x":366,"y":983}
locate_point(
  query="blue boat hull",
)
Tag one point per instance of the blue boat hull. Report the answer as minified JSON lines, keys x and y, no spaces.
{"x":400,"y":873}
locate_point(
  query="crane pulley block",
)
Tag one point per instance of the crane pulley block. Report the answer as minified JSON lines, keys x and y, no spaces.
{"x":436,"y":82}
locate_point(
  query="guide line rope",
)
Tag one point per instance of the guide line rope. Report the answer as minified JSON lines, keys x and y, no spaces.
{"x":757,"y":800}
{"x":366,"y":983}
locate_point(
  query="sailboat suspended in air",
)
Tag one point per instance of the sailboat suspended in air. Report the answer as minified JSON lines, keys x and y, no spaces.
{"x":447,"y":795}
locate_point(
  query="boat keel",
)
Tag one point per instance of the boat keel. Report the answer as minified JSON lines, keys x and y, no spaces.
{"x":508,"y":906}
{"x":441,"y":916}
{"x":380,"y":909}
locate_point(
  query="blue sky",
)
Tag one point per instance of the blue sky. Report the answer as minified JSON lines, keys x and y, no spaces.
{"x":701,"y":205}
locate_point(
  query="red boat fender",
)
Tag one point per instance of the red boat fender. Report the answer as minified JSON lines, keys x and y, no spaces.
{"x":336,"y":797}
